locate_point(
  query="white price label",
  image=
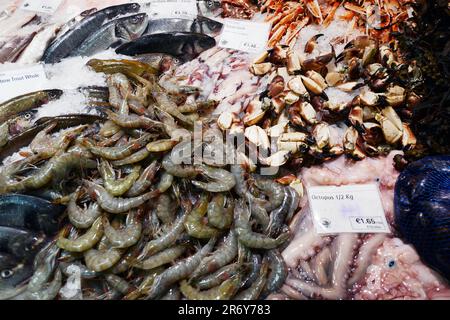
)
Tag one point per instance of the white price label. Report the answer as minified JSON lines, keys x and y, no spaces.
{"x":16,"y":82}
{"x":160,"y":9}
{"x":244,"y":35}
{"x":351,"y":208}
{"x":44,"y":6}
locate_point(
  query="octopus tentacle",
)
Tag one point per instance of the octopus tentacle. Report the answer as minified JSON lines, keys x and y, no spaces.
{"x":306,"y":271}
{"x":365,"y":255}
{"x":345,"y":247}
{"x":304,"y":247}
{"x":292,"y":293}
{"x":320,"y":265}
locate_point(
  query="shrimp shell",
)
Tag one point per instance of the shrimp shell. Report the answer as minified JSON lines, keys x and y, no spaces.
{"x":178,"y":170}
{"x":258,"y":211}
{"x":144,"y":181}
{"x":227,"y":251}
{"x":133,"y":158}
{"x":225,"y":291}
{"x":166,"y":240}
{"x":85,"y":273}
{"x":273,"y":190}
{"x":216,"y":278}
{"x":121,"y":152}
{"x":116,"y":205}
{"x":252,"y":239}
{"x":165,"y":182}
{"x":278,"y":216}
{"x":44,"y":264}
{"x":55,"y":170}
{"x":126,"y":237}
{"x":218,"y":216}
{"x":179,"y":271}
{"x":194,"y":225}
{"x":117,"y":187}
{"x":84,"y":242}
{"x":119,"y":284}
{"x":165,"y":209}
{"x":146,"y":285}
{"x":256,"y":288}
{"x":132,"y":121}
{"x":278,"y":272}
{"x":99,"y":261}
{"x":82,"y":218}
{"x":222,"y":180}
{"x":51,"y":290}
{"x":254,"y":271}
{"x":164,"y":257}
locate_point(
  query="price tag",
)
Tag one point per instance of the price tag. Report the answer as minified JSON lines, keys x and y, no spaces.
{"x":16,"y":82}
{"x":244,"y":35}
{"x":160,"y":9}
{"x":44,"y":6}
{"x":352,"y":208}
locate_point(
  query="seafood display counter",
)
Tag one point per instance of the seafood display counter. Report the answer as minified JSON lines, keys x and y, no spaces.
{"x":224,"y":149}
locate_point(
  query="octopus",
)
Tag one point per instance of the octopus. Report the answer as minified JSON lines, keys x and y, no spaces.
{"x":352,"y":265}
{"x":396,"y":272}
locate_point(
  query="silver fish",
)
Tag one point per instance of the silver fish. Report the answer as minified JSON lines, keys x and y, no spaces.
{"x":74,"y":21}
{"x":113,"y":33}
{"x":183,"y":45}
{"x":65,"y":45}
{"x":198,"y":25}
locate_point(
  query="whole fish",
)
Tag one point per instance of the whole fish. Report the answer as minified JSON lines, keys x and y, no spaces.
{"x":13,"y":273}
{"x":113,"y":34}
{"x":27,"y":212}
{"x":66,"y":44}
{"x":23,"y":244}
{"x":34,"y":51}
{"x":69,"y":25}
{"x":198,"y":25}
{"x":15,"y":126}
{"x":128,"y":67}
{"x":422,"y":209}
{"x":27,"y":102}
{"x":11,"y":50}
{"x":183,"y":45}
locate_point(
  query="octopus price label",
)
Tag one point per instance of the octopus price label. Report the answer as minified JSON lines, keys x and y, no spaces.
{"x":160,"y":9}
{"x":16,"y":82}
{"x":244,"y":35}
{"x":347,"y":209}
{"x":44,"y":6}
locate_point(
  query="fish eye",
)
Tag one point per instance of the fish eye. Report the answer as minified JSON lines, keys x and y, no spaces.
{"x":5,"y":274}
{"x":28,"y":116}
{"x":391,"y":263}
